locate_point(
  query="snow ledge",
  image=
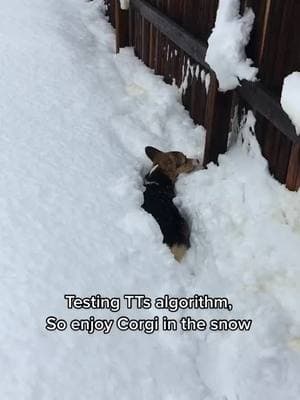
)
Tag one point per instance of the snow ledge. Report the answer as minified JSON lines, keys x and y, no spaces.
{"x":290,"y":98}
{"x":226,"y":45}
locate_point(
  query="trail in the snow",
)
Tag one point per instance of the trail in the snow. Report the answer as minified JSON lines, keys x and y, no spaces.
{"x":75,"y":122}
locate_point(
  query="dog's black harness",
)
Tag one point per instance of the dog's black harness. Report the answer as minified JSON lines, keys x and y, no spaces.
{"x":158,"y":201}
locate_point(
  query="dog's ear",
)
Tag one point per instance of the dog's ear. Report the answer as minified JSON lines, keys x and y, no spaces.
{"x":152,"y":152}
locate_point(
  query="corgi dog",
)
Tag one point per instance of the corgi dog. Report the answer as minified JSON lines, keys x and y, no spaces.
{"x":159,"y":194}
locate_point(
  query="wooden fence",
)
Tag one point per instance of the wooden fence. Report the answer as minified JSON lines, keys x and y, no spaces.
{"x":170,"y":36}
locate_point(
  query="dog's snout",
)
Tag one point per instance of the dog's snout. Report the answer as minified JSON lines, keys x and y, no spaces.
{"x":196,"y":162}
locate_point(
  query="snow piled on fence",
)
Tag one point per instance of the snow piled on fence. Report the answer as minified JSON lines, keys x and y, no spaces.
{"x":290,"y":98}
{"x":226,"y":45}
{"x":124,"y":4}
{"x":76,"y":119}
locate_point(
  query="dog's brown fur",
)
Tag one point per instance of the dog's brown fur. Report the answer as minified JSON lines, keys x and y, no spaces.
{"x":172,"y":164}
{"x":178,"y":251}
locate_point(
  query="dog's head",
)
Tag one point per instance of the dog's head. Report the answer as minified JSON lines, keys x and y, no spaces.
{"x":171,"y":163}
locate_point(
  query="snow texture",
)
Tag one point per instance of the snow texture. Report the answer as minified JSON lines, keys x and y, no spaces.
{"x":207,"y":82}
{"x":75,"y":121}
{"x":226,"y":45}
{"x":124,"y":4}
{"x":290,"y":98}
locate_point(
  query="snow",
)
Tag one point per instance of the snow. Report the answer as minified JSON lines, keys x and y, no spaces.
{"x":124,"y":4}
{"x":75,"y":121}
{"x":290,"y":98}
{"x":207,"y":82}
{"x":226,"y":45}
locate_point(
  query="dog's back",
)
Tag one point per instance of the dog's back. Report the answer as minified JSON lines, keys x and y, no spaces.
{"x":158,"y":201}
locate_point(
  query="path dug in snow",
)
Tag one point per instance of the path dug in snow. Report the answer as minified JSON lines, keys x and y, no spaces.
{"x":75,"y":121}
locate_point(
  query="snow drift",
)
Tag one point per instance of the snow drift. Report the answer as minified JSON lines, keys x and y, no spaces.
{"x":226,"y":45}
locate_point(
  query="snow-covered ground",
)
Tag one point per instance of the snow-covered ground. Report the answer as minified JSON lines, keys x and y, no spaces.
{"x":75,"y":119}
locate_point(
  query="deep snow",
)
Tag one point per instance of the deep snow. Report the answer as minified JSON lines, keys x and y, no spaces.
{"x":75,"y":120}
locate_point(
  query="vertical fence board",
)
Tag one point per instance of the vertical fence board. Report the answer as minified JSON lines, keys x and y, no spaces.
{"x":122,"y":26}
{"x":217,"y":120}
{"x":273,"y":47}
{"x":293,"y":176}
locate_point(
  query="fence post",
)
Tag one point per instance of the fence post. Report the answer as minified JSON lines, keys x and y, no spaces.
{"x":217,"y":119}
{"x":122,"y":26}
{"x":293,"y":175}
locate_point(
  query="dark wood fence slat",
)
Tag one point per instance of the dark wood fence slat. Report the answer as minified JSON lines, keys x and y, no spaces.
{"x":131,"y":26}
{"x":293,"y":177}
{"x":283,"y":158}
{"x":217,"y":120}
{"x":122,"y":26}
{"x":174,"y":32}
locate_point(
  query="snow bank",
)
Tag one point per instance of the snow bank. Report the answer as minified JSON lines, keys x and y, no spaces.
{"x":226,"y":45}
{"x":290,"y":98}
{"x":245,"y":244}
